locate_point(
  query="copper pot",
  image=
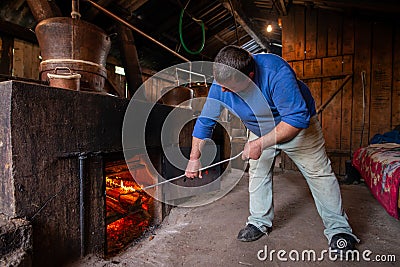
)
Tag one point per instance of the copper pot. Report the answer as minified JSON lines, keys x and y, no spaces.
{"x":200,"y":91}
{"x":63,"y":77}
{"x":76,"y":44}
{"x":176,"y":95}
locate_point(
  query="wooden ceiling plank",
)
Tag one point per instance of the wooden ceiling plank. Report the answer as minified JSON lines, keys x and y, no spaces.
{"x":93,"y":12}
{"x":282,"y":7}
{"x":17,"y":31}
{"x":243,"y":22}
{"x":43,"y":9}
{"x":377,"y":6}
{"x":134,"y":5}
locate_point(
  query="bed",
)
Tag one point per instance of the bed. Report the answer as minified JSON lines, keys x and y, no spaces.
{"x":379,"y":166}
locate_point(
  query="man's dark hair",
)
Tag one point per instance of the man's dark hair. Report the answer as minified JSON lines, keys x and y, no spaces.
{"x":236,"y":58}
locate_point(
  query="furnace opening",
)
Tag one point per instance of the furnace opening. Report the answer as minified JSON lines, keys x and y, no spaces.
{"x":129,"y":210}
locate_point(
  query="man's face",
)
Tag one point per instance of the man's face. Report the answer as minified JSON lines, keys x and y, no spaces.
{"x":236,"y":86}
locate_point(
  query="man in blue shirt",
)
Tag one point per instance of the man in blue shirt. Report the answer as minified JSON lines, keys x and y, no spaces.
{"x":279,"y":111}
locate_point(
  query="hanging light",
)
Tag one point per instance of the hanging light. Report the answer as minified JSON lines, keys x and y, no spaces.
{"x":269,"y":28}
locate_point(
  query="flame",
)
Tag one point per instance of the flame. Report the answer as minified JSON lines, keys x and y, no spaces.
{"x":126,"y":229}
{"x":117,"y":182}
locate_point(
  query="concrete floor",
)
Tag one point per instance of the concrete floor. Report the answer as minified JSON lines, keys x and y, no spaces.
{"x":206,"y":235}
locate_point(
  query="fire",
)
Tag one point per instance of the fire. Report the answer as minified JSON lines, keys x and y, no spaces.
{"x":128,"y":209}
{"x":118,"y":182}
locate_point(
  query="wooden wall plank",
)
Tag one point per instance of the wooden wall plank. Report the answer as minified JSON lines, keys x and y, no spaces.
{"x":35,"y":62}
{"x":298,"y":68}
{"x":312,"y":68}
{"x":6,"y":45}
{"x":322,"y":37}
{"x":345,"y":137}
{"x":332,"y":66}
{"x":299,"y":33}
{"x":348,"y":36}
{"x":316,"y":91}
{"x":26,"y":60}
{"x":288,"y":48}
{"x":311,"y":33}
{"x":396,"y":80}
{"x":333,"y":33}
{"x":331,"y":115}
{"x":18,"y":63}
{"x":340,"y":35}
{"x":362,"y":55}
{"x":347,"y":64}
{"x":381,"y":82}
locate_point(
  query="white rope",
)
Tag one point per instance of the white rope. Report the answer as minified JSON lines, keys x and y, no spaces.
{"x":183,"y":175}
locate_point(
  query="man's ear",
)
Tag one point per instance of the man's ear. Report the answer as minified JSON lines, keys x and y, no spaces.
{"x":251,"y":75}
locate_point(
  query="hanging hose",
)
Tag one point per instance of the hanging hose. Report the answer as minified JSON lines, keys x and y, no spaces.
{"x":203,"y":38}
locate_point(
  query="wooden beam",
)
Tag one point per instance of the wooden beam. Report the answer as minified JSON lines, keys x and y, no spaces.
{"x":17,"y":31}
{"x":282,"y":7}
{"x":93,"y":12}
{"x":129,"y":58}
{"x":134,"y":5}
{"x":44,"y":9}
{"x":375,"y":6}
{"x":244,"y":22}
{"x":127,"y":6}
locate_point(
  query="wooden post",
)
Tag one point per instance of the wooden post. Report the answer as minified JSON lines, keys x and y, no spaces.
{"x":130,"y":59}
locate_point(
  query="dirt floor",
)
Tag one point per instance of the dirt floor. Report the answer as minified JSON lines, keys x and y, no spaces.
{"x":206,"y":235}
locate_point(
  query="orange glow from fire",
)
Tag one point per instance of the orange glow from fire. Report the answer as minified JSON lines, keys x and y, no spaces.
{"x":128,"y":209}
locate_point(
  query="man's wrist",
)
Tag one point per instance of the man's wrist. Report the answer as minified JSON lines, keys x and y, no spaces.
{"x":194,"y":157}
{"x":261,"y":142}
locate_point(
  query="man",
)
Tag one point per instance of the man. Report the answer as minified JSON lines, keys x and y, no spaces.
{"x":269,"y":89}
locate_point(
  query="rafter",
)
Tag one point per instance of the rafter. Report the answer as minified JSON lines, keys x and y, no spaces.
{"x":244,"y":22}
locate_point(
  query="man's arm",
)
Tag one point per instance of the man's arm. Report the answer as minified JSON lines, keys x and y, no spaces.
{"x":283,"y":132}
{"x":192,"y":169}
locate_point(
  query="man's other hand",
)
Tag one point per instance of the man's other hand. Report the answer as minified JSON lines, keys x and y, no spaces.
{"x":252,"y":149}
{"x":192,"y":169}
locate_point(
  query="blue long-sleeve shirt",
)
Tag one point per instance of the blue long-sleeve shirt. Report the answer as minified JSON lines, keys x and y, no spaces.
{"x":276,"y":96}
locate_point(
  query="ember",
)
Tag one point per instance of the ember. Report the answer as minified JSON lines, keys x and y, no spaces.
{"x":128,"y":208}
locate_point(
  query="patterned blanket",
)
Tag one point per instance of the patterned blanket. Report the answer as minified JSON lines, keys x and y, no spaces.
{"x":379,"y":165}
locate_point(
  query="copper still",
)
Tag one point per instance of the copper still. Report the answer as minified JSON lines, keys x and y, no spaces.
{"x":200,"y":91}
{"x":75,"y":44}
{"x":177,"y":96}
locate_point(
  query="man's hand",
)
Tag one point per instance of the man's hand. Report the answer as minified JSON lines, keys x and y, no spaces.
{"x":192,"y":169}
{"x":252,"y":149}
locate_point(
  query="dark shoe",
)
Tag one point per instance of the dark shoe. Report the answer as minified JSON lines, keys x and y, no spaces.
{"x":251,"y":233}
{"x":342,"y":243}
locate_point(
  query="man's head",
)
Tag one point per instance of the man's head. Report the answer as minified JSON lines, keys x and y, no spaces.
{"x":233,"y":68}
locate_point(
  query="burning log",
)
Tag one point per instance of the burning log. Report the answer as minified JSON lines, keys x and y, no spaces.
{"x":125,"y":198}
{"x":120,"y":204}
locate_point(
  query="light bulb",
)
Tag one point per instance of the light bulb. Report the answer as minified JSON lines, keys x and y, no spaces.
{"x":269,"y":28}
{"x":280,"y":22}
